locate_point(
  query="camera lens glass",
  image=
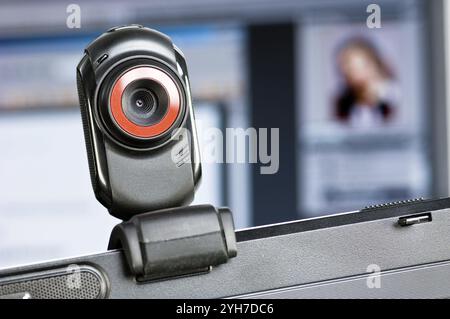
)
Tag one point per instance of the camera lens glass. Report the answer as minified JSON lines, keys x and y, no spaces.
{"x":140,"y":106}
{"x":144,"y":102}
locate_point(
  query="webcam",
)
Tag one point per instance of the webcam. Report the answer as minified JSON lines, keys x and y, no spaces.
{"x":138,"y":119}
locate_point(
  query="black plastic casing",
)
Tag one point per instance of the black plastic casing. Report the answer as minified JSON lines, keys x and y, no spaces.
{"x":132,"y":176}
{"x":176,"y":242}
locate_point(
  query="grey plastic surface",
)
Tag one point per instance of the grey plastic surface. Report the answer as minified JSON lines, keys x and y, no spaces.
{"x":294,"y":259}
{"x":426,"y":281}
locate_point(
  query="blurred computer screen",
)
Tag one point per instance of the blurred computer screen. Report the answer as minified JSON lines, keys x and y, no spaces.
{"x":363,"y":118}
{"x":352,"y":105}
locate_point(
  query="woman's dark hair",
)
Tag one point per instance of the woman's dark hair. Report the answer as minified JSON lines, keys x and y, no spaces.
{"x":346,"y":102}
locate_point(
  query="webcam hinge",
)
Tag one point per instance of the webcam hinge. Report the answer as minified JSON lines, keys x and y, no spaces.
{"x":176,"y":242}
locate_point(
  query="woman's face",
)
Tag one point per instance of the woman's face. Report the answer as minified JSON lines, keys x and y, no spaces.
{"x":358,"y":67}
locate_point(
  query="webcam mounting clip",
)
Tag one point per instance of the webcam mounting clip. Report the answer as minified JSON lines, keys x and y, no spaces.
{"x":176,"y":242}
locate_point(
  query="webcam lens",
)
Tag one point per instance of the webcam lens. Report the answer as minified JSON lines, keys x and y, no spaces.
{"x":145,"y":102}
{"x":140,"y":106}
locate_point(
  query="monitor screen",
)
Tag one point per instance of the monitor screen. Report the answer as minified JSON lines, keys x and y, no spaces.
{"x":363,"y":119}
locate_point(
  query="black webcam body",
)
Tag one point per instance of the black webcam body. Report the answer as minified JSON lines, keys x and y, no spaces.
{"x":138,"y":120}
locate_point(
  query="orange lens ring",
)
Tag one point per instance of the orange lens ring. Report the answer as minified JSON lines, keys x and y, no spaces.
{"x":154,"y":74}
